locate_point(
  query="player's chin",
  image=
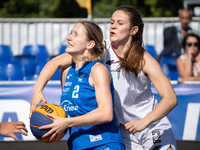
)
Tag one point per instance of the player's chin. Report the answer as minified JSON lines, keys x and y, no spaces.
{"x":113,"y":39}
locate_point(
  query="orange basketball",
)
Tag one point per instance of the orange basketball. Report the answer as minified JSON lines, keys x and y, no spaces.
{"x":39,"y":118}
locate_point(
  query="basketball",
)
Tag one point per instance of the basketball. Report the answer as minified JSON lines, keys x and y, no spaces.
{"x":39,"y":118}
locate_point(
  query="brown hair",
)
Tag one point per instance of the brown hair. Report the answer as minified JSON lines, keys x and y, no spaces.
{"x":133,"y":60}
{"x":93,"y":33}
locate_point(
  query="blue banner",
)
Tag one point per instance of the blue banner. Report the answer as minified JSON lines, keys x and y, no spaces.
{"x":15,"y":101}
{"x":185,"y":117}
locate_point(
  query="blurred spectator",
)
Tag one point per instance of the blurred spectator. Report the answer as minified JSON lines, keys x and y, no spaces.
{"x":188,"y":64}
{"x":173,"y":36}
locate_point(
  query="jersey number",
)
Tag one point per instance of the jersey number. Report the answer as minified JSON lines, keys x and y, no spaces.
{"x":75,"y":92}
{"x":156,"y":136}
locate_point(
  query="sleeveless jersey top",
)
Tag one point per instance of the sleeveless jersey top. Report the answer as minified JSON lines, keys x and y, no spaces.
{"x":78,"y":98}
{"x":133,"y":96}
{"x":195,"y":67}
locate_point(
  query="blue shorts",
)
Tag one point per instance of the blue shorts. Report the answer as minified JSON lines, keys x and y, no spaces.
{"x":109,"y":146}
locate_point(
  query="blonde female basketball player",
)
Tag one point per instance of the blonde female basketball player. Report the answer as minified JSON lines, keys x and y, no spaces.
{"x":87,"y":95}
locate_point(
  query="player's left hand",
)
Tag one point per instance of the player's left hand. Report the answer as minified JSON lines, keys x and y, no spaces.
{"x":135,"y":126}
{"x":57,"y":127}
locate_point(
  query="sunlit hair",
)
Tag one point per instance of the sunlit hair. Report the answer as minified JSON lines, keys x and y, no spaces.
{"x":93,"y":33}
{"x":190,"y":35}
{"x":133,"y":60}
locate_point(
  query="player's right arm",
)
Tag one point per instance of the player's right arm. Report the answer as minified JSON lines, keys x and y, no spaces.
{"x":59,"y":62}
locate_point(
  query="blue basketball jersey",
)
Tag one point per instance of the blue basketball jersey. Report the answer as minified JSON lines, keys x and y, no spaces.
{"x":78,"y":98}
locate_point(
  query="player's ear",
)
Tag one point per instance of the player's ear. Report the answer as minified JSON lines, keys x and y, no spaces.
{"x":90,"y":44}
{"x":134,"y":30}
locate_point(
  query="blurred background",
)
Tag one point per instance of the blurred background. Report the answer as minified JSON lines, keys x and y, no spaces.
{"x":71,"y":9}
{"x":100,"y":8}
{"x":48,"y":22}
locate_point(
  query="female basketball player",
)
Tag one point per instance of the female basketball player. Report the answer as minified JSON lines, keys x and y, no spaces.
{"x":142,"y":120}
{"x":87,"y":94}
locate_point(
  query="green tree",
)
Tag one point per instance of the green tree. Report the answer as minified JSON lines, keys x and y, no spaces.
{"x":103,"y":8}
{"x":147,"y":8}
{"x":163,"y":8}
{"x":70,"y":9}
{"x":41,"y":9}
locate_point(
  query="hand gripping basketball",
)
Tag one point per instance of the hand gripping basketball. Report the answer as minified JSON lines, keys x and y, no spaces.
{"x":45,"y":115}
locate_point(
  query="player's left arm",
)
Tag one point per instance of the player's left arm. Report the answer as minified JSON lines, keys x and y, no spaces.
{"x":99,"y":78}
{"x":163,"y":87}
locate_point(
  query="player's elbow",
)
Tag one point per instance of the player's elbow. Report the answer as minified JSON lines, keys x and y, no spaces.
{"x":174,"y":101}
{"x":109,"y":117}
{"x":106,"y":115}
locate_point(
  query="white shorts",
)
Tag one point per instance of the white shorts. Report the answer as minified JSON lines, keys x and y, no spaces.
{"x":157,"y":136}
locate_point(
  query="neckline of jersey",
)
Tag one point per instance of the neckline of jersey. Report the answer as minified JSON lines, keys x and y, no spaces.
{"x":115,"y":52}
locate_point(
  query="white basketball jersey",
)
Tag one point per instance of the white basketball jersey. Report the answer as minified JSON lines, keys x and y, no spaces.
{"x":133,"y":97}
{"x":133,"y":101}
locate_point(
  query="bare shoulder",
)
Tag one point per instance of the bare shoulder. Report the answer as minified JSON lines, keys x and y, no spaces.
{"x":99,"y":75}
{"x":100,"y":71}
{"x":148,"y":57}
{"x":150,"y":62}
{"x":179,"y":59}
{"x":99,"y":68}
